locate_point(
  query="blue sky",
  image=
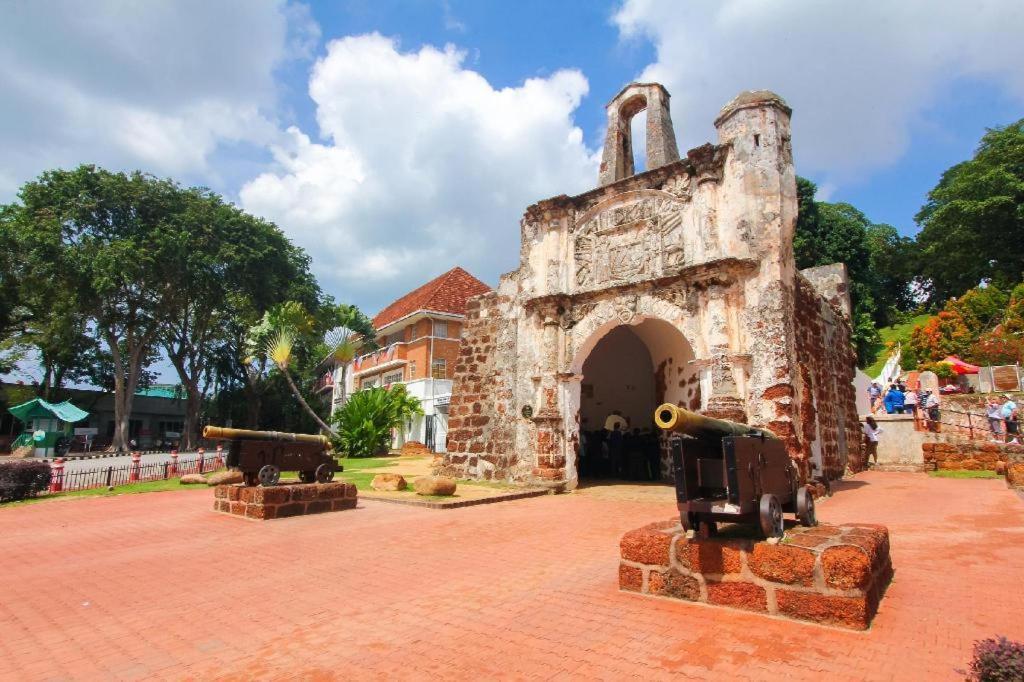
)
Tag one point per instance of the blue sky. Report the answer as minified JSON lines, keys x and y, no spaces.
{"x":394,"y":140}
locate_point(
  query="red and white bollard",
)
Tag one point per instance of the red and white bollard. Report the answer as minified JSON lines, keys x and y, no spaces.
{"x":57,"y":475}
{"x":133,"y":475}
{"x":174,"y":463}
{"x":199,"y":460}
{"x":219,"y":462}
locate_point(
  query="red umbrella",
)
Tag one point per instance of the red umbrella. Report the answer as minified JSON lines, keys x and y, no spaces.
{"x":961,"y":367}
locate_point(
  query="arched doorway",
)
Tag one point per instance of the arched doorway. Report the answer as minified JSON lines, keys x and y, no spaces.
{"x":625,"y":372}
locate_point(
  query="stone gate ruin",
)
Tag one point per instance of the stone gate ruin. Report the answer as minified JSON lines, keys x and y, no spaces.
{"x":691,"y":262}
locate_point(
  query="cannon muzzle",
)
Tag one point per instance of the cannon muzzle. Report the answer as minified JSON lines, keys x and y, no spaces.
{"x":670,"y":417}
{"x":224,"y":433}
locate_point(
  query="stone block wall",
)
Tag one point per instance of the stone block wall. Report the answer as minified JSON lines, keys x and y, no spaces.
{"x":481,"y":417}
{"x":826,"y":398}
{"x":832,"y":575}
{"x":967,"y":455}
{"x":280,"y":501}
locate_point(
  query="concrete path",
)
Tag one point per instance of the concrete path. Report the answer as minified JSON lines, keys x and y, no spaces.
{"x":157,"y":586}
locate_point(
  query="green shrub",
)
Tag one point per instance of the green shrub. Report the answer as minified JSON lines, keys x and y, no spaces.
{"x":363,"y":424}
{"x":23,"y":478}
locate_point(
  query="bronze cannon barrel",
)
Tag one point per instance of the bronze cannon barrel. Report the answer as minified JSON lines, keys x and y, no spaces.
{"x":670,"y":417}
{"x":225,"y":433}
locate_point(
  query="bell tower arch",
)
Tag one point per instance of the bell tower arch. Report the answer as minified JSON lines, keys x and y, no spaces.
{"x":617,"y":162}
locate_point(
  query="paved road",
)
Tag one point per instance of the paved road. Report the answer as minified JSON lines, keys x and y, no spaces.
{"x":104,"y":462}
{"x":158,"y":586}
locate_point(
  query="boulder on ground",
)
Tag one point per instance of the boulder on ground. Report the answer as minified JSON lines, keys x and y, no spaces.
{"x":386,"y":482}
{"x":414,"y":448}
{"x":434,"y":485}
{"x":225,"y":477}
{"x":193,"y":479}
{"x":1001,"y":468}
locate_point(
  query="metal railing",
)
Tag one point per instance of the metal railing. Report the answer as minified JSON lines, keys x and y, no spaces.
{"x":977,"y":426}
{"x":135,"y":472}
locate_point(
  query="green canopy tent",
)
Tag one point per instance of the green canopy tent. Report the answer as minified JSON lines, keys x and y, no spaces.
{"x":41,"y":416}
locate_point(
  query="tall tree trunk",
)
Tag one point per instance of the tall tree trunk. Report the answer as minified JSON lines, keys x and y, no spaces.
{"x":193,"y":401}
{"x":119,"y":442}
{"x":302,"y":401}
{"x":253,"y":404}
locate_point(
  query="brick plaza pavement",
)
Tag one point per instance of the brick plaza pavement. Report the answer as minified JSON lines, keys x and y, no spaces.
{"x":158,"y":586}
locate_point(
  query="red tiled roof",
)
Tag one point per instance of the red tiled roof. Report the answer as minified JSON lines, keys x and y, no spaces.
{"x":445,"y":294}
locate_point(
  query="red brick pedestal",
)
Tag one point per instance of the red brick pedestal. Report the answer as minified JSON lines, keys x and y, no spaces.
{"x":833,"y":575}
{"x":280,"y":501}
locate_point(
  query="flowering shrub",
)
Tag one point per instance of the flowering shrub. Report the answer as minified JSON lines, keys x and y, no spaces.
{"x":23,"y":478}
{"x":997,"y":660}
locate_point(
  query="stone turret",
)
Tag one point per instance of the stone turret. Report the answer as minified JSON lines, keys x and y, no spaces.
{"x":617,"y":162}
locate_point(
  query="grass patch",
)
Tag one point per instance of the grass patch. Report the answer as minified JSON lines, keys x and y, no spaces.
{"x":897,"y":332}
{"x":963,"y":473}
{"x":358,"y":470}
{"x":127,"y":489}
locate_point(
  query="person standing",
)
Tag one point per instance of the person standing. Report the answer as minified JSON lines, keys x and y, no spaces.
{"x":871,"y":432}
{"x":910,"y":400}
{"x":1009,"y":414}
{"x":874,"y":397}
{"x":931,"y":405}
{"x":995,"y":418}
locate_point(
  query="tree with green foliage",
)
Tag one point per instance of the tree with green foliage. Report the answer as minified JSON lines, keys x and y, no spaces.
{"x":878,"y":263}
{"x":892,"y":264}
{"x":104,"y":241}
{"x":227,"y":264}
{"x":972,"y":227}
{"x":362,"y":426}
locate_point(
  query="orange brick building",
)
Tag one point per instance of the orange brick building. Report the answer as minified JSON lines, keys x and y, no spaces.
{"x":418,"y":337}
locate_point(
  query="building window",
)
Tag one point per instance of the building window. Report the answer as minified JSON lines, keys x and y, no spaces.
{"x":397,"y":337}
{"x":412,"y":369}
{"x":439,"y":369}
{"x":441,"y":329}
{"x":368,"y":382}
{"x":393,"y":378}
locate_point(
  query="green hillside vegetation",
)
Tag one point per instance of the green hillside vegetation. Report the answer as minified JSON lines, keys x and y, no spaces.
{"x":889,"y":336}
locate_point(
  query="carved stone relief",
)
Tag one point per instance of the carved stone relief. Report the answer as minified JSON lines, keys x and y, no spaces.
{"x":629,"y":242}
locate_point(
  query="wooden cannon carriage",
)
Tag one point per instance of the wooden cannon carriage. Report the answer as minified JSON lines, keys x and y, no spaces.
{"x":261,"y":456}
{"x":731,"y":472}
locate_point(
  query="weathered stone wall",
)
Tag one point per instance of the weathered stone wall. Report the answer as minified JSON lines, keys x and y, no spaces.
{"x":825,"y":398}
{"x":481,"y":419}
{"x":696,"y":257}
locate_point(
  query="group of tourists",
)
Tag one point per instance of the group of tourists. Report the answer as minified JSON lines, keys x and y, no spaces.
{"x":1003,"y":419}
{"x":618,"y":452}
{"x":898,"y":399}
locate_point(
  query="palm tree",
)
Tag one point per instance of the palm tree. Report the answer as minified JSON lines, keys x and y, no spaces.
{"x":279,"y":349}
{"x":342,"y":345}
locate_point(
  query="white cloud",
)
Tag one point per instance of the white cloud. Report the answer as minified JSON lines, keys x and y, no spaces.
{"x":859,"y":75}
{"x":421,"y":165}
{"x":159,"y":85}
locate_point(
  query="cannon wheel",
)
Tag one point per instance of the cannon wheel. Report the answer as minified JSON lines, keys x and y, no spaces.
{"x":307,"y":476}
{"x":805,"y":507}
{"x":324,"y":473}
{"x":250,"y":478}
{"x":269,"y":475}
{"x":771,"y":516}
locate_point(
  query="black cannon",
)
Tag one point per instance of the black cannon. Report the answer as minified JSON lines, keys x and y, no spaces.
{"x":261,"y":456}
{"x":731,"y":472}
